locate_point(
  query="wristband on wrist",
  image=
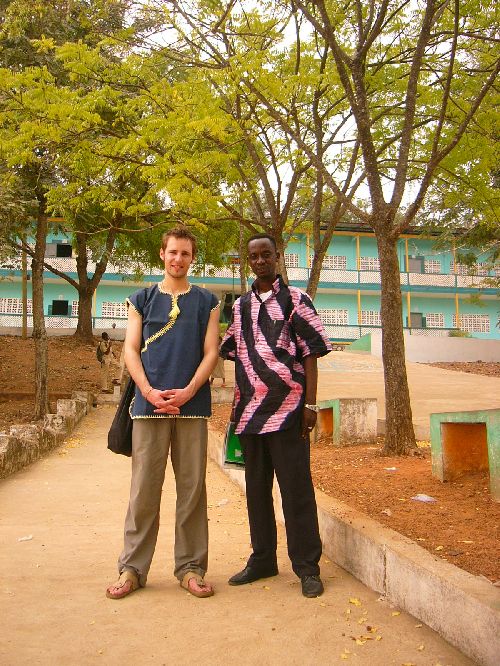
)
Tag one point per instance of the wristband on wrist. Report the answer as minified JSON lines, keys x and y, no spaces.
{"x":146,"y":393}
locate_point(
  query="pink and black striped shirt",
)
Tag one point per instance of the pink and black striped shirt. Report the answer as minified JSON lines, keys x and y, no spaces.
{"x":268,"y":341}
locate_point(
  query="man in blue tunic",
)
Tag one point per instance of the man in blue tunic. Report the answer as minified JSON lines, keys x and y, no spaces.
{"x":171,"y":347}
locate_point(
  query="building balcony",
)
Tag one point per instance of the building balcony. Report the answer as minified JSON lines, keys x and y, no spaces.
{"x":297,"y":275}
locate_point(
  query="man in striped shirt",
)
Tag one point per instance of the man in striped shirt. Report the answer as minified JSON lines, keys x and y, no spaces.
{"x":275,"y":337}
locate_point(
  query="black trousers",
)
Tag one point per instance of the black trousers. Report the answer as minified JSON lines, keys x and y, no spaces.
{"x":285,"y":453}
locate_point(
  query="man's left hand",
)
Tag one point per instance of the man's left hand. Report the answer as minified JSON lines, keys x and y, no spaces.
{"x":308,"y":421}
{"x":176,"y":397}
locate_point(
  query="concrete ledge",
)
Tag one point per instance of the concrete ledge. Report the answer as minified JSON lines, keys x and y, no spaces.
{"x":464,"y":609}
{"x":22,"y":444}
{"x":347,"y":421}
{"x":222,"y":394}
{"x":466,"y":442}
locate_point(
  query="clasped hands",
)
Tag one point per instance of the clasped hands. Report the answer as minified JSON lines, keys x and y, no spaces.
{"x":169,"y":401}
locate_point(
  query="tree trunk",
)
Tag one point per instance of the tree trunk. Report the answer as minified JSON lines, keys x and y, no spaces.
{"x":243,"y":261}
{"x":24,"y":267}
{"x":399,"y":435}
{"x":280,"y":246}
{"x":39,"y":331}
{"x":86,"y":287}
{"x":84,"y":330}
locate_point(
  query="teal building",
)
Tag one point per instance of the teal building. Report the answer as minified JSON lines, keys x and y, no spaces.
{"x":439,"y":294}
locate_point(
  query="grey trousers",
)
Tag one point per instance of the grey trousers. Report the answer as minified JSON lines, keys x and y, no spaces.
{"x":152,"y":439}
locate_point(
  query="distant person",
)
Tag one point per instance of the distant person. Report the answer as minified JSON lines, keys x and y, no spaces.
{"x":106,"y":355}
{"x":219,"y":372}
{"x":275,"y":337}
{"x":170,"y":350}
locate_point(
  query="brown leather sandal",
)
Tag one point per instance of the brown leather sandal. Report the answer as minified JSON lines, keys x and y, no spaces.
{"x":206,"y":589}
{"x":125,"y":585}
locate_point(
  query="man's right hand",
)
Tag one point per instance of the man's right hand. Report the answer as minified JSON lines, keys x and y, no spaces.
{"x":162,"y":404}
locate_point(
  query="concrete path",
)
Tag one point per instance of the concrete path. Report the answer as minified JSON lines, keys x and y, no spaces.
{"x":61,"y":530}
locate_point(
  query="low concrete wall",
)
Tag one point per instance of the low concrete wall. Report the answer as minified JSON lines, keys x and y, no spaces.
{"x":463,"y":608}
{"x":428,"y":350}
{"x":347,"y":421}
{"x":114,"y":333}
{"x":21,"y":445}
{"x":420,"y":349}
{"x":222,"y":394}
{"x":364,"y":343}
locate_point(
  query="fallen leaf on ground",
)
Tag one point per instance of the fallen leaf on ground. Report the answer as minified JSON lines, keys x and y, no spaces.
{"x":394,"y":613}
{"x":355,"y":601}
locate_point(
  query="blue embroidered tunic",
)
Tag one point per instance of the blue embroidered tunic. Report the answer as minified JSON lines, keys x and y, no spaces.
{"x":173,"y":335}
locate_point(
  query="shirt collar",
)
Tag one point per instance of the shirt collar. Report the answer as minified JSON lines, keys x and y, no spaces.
{"x":276,"y":286}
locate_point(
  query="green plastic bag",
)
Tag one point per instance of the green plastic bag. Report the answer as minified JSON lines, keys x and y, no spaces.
{"x":233,"y":452}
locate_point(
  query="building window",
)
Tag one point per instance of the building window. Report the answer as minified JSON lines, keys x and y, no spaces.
{"x":64,"y":250}
{"x":332,"y":317}
{"x":333,"y":261}
{"x":370,"y":318}
{"x":74,"y":308}
{"x":474,"y":323}
{"x":58,"y":249}
{"x":59,"y":308}
{"x":432,"y":266}
{"x":15,"y":306}
{"x":291,"y":260}
{"x":434,"y":320}
{"x":369,"y":264}
{"x":113,"y":309}
{"x":480,"y":268}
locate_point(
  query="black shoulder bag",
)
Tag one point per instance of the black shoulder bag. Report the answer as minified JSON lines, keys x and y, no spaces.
{"x":120,"y":433}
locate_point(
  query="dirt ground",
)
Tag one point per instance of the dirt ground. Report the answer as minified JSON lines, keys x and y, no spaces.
{"x":461,"y":526}
{"x":72,"y":366}
{"x":475,"y":367}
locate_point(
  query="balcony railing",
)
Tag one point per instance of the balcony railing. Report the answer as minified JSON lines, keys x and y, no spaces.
{"x":298,"y":274}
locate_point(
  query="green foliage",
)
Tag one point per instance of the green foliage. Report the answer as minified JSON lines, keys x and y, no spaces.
{"x":457,"y":333}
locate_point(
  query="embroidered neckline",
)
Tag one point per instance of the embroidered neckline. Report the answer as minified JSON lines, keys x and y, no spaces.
{"x":162,"y":290}
{"x":172,"y":315}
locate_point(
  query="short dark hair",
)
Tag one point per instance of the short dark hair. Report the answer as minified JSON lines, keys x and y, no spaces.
{"x":105,"y":336}
{"x":179,"y":232}
{"x":261,"y":237}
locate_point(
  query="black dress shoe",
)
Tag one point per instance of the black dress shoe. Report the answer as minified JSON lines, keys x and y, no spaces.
{"x":249,"y":575}
{"x":312,"y":586}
